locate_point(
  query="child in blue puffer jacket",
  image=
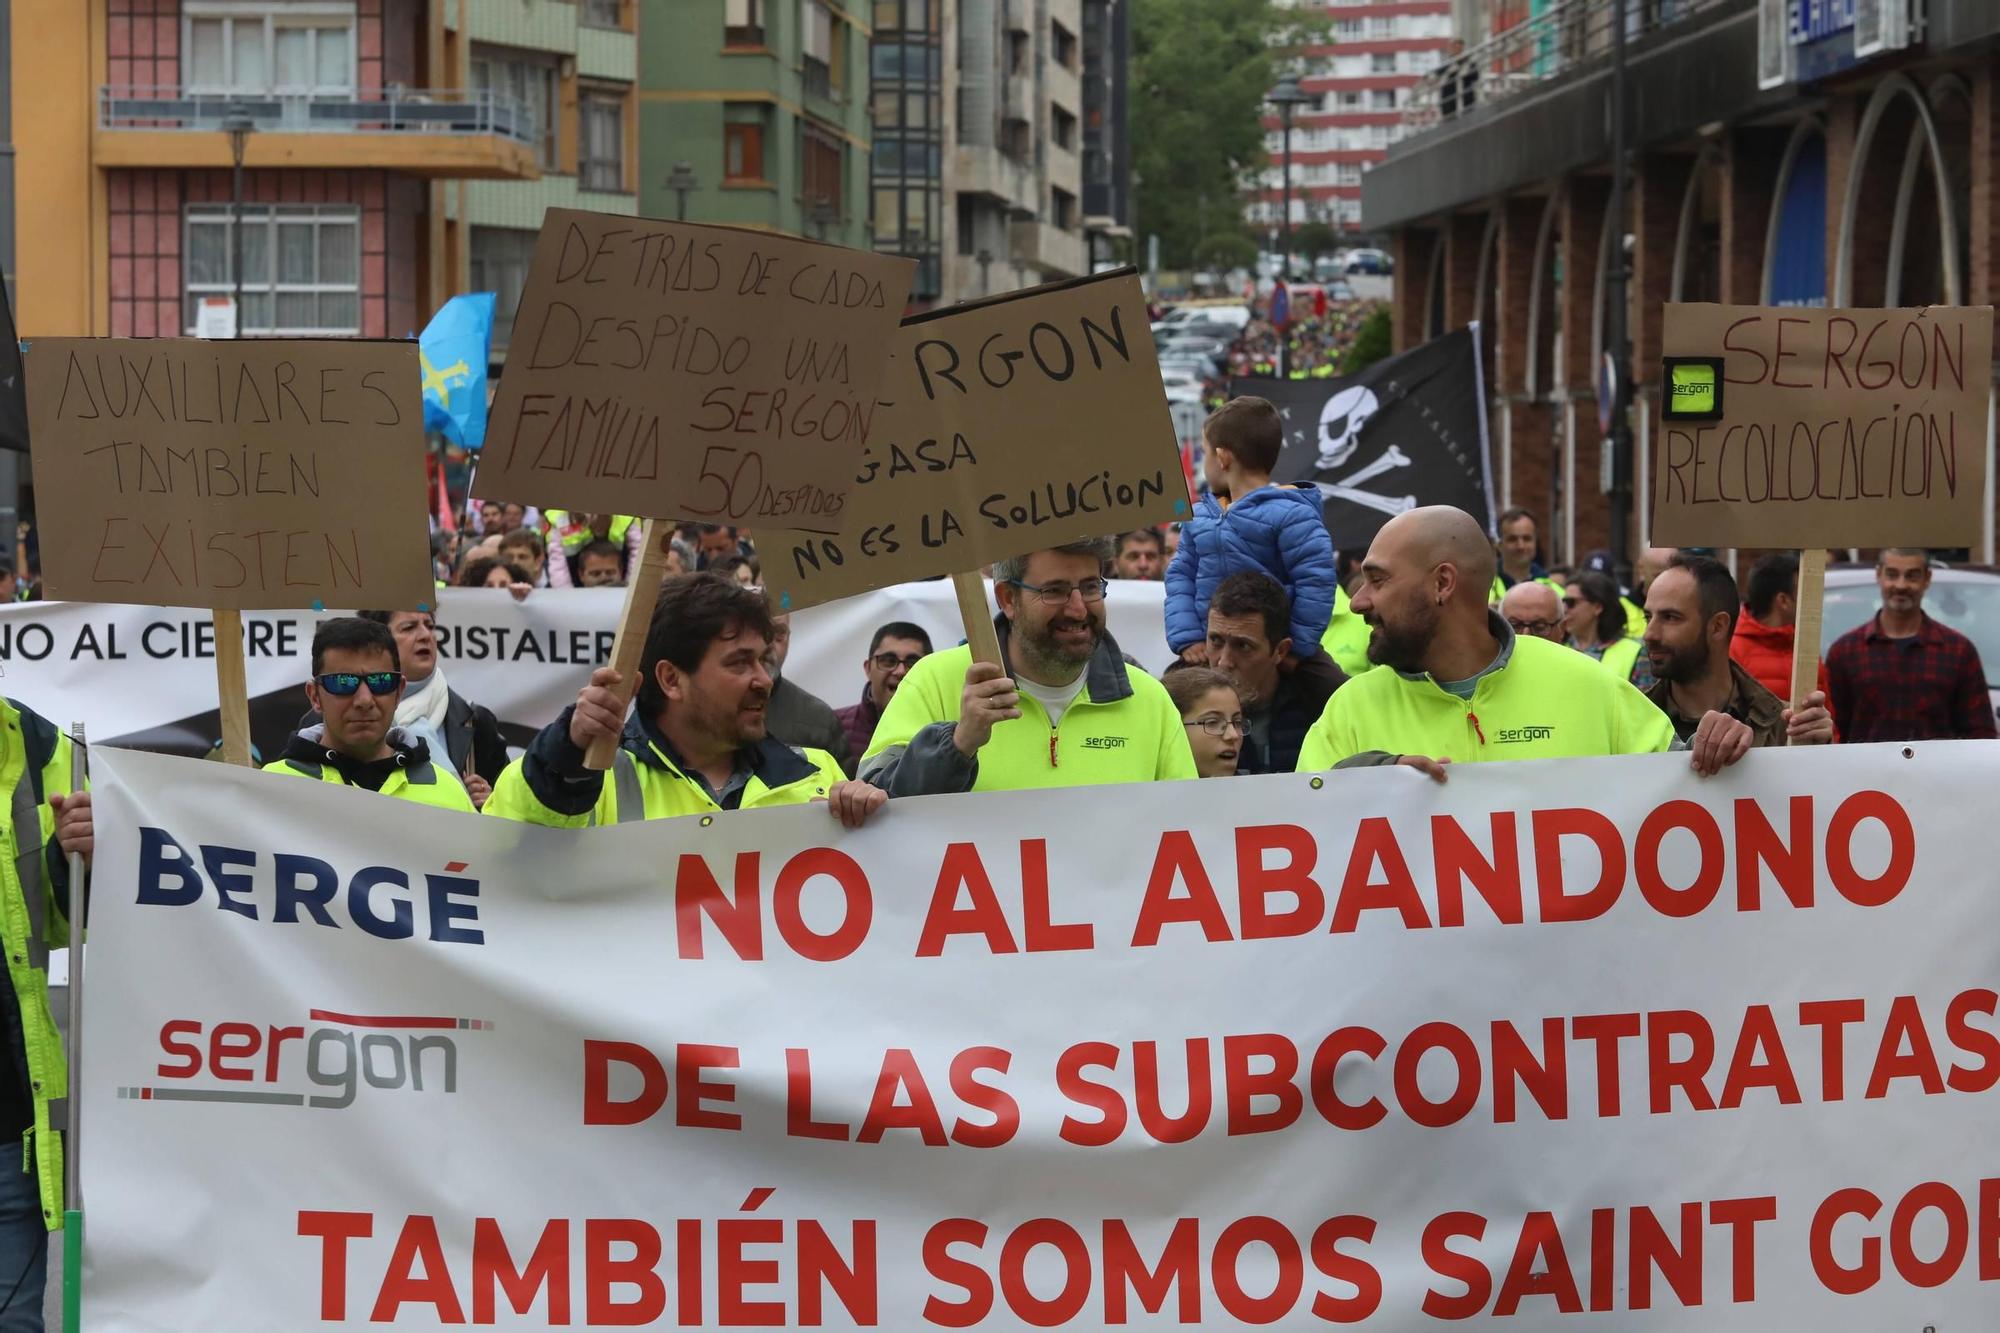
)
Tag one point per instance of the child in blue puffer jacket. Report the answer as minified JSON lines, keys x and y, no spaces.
{"x":1275,"y":530}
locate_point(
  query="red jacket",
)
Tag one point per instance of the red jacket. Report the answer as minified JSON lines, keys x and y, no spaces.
{"x":1765,"y":651}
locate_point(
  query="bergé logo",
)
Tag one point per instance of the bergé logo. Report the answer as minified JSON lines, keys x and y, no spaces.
{"x":322,"y":1063}
{"x":1103,"y":742}
{"x":1520,"y":735}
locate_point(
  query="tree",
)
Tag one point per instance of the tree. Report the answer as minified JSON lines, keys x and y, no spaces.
{"x":1313,"y":240}
{"x":1372,"y":341}
{"x":1200,"y":69}
{"x":1226,"y":250}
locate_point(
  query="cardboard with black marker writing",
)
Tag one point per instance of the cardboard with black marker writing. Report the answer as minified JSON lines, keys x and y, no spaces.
{"x":1006,"y":426}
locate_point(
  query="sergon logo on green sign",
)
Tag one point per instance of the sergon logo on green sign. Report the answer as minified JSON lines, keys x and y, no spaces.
{"x":1694,"y":388}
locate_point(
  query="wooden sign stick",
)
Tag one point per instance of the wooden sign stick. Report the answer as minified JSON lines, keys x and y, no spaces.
{"x":642,"y":594}
{"x":232,"y":694}
{"x":1806,"y":629}
{"x":979,"y":632}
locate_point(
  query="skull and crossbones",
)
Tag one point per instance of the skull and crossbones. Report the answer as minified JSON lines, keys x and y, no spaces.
{"x":1340,"y":425}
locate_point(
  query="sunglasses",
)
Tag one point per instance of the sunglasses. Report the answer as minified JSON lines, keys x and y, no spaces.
{"x":340,"y":684}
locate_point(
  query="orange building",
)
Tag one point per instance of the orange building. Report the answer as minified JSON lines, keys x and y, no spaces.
{"x":358,"y":123}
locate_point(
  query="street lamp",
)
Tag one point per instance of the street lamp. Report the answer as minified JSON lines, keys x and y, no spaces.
{"x":237,"y":124}
{"x":822,"y":216}
{"x":682,"y":180}
{"x":985,"y":258}
{"x":1287,"y":97}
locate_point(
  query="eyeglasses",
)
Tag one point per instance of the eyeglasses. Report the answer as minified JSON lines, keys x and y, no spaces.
{"x":889,"y":661}
{"x":1056,"y":594}
{"x":1220,"y":726}
{"x":1534,"y":629}
{"x":340,"y":684}
{"x":1572,"y":602}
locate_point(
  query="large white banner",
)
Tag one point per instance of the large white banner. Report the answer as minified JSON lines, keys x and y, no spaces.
{"x":1582,"y":1044}
{"x":145,"y":675}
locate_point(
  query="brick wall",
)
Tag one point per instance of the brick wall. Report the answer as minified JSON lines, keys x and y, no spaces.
{"x":146,"y":240}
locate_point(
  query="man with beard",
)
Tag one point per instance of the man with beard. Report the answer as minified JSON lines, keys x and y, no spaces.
{"x":696,"y":741}
{"x":1248,"y":619}
{"x":1065,"y":710}
{"x":1691,"y":610}
{"x":1462,"y":687}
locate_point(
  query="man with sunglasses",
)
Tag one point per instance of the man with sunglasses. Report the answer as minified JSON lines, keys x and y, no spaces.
{"x":897,"y":646}
{"x":1065,"y":710}
{"x":357,"y":681}
{"x":697,"y":740}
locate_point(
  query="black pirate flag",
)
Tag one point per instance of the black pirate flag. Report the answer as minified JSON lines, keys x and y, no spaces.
{"x":1408,"y":431}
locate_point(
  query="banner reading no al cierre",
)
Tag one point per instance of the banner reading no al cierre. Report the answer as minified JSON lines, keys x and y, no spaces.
{"x":1648,"y":1054}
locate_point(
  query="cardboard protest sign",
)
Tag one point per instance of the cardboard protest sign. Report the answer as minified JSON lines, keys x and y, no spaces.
{"x":1791,"y":427}
{"x":235,"y":475}
{"x":1008,"y":425}
{"x":691,"y":372}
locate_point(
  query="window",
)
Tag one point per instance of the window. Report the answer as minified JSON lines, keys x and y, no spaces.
{"x":1064,"y":42}
{"x":743,"y":23}
{"x":603,"y":13}
{"x":818,"y":34}
{"x":1382,"y":63}
{"x":821,"y":164}
{"x":1064,"y":208}
{"x":1384,"y":99}
{"x":529,"y":78}
{"x":600,"y":148}
{"x":912,"y":62}
{"x":500,"y":259}
{"x":1063,"y":127}
{"x":743,"y":152}
{"x":301,"y":266}
{"x":299,"y":53}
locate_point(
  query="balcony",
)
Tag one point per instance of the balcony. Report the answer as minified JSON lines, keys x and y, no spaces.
{"x":984,"y":170}
{"x":1049,"y":250}
{"x":450,"y":133}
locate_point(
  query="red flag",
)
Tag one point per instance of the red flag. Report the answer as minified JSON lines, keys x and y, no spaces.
{"x":445,"y":518}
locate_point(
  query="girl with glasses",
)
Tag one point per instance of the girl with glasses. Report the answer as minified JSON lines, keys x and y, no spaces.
{"x":1212,"y":712}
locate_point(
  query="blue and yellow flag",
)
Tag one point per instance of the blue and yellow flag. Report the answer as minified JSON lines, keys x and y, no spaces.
{"x":453,"y":349}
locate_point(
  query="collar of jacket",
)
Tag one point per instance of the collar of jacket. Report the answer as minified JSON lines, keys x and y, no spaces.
{"x":1104,"y":678}
{"x":1501,"y":631}
{"x":772,"y":762}
{"x":309,"y":746}
{"x":1749,"y":702}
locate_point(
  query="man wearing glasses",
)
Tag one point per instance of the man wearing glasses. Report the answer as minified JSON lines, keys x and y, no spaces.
{"x":1064,"y":711}
{"x":1534,"y":609}
{"x":898,"y":646}
{"x":356,"y":684}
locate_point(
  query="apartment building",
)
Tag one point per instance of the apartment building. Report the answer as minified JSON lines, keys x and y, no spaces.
{"x":574,"y":65}
{"x":1001,"y":154}
{"x":765,"y":104}
{"x":1362,"y":79}
{"x":355,"y":121}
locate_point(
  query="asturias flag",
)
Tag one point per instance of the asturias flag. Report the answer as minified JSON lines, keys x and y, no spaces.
{"x":453,"y":350}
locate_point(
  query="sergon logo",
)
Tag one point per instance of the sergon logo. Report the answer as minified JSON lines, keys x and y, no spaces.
{"x":322,"y":1063}
{"x":1520,"y":735}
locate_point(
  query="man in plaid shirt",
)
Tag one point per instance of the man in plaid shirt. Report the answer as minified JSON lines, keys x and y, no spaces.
{"x":1902,"y":676}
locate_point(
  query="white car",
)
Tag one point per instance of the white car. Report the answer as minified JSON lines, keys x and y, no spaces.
{"x":1236,"y":316}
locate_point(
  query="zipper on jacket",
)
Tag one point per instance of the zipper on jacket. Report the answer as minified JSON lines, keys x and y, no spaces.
{"x":1052,"y":748}
{"x":1473,"y":718}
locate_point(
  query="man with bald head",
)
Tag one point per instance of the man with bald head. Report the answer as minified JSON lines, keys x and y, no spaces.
{"x":1463,"y":687}
{"x":1533,"y":609}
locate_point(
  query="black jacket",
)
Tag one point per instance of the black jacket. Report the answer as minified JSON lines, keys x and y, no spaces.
{"x":797,"y":716}
{"x":470,"y":732}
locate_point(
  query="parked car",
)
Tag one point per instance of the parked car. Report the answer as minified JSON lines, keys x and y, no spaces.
{"x":1233,"y":316}
{"x":1966,"y":599}
{"x":1368,"y":261}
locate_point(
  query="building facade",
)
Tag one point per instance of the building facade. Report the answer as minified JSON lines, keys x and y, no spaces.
{"x":766,"y":101}
{"x":1362,"y":78}
{"x":574,"y":64}
{"x":356,"y":119}
{"x":985,"y":142}
{"x":1782,"y":153}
